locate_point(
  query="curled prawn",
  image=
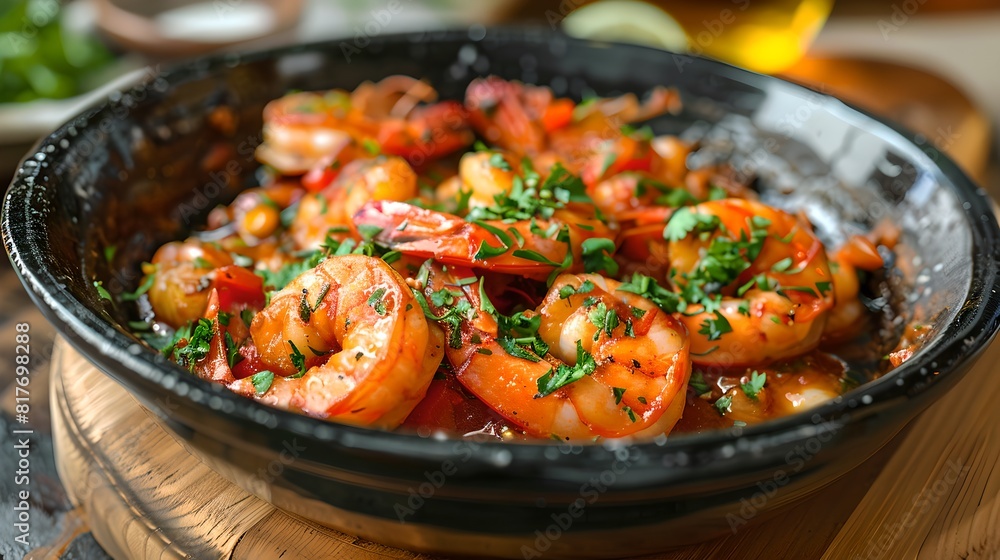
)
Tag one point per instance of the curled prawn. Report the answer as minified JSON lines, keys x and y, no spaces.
{"x":361,"y":181}
{"x":763,"y":271}
{"x":631,"y":371}
{"x":857,"y":254}
{"x":531,"y":248}
{"x":309,"y":131}
{"x":345,"y":341}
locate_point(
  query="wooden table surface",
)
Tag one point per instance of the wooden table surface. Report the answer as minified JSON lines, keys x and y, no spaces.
{"x":932,"y":493}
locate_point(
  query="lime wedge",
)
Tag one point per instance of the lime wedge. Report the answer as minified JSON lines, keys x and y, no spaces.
{"x":628,"y":21}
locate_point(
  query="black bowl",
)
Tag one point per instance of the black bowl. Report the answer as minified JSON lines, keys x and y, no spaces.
{"x":145,"y":167}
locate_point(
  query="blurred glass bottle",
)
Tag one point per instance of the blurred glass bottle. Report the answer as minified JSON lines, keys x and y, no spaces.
{"x":763,"y":35}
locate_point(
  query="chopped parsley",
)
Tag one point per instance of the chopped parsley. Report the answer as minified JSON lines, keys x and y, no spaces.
{"x":200,"y":262}
{"x":283,"y":276}
{"x":644,"y":134}
{"x":631,"y":414}
{"x":368,"y":232}
{"x":558,"y":377}
{"x":486,"y":250}
{"x":198,"y":344}
{"x":455,"y":310}
{"x":444,"y":297}
{"x":698,"y":383}
{"x":754,"y":385}
{"x":782,"y":265}
{"x":262,"y":381}
{"x":534,"y":256}
{"x":684,"y":221}
{"x":744,"y":308}
{"x":233,"y":355}
{"x":514,"y":349}
{"x":376,"y":302}
{"x":802,"y":289}
{"x":101,"y":290}
{"x":497,"y":160}
{"x":168,"y":345}
{"x":247,"y":317}
{"x":529,"y":197}
{"x":298,"y":360}
{"x":596,"y":253}
{"x":606,"y":320}
{"x":147,"y":283}
{"x":720,"y":265}
{"x":646,"y":287}
{"x":371,"y":146}
{"x":484,"y":302}
{"x":287,"y":216}
{"x":520,"y":331}
{"x":714,"y":327}
{"x":671,"y":197}
{"x":568,"y":290}
{"x":305,"y":310}
{"x":724,"y":404}
{"x":716,"y":193}
{"x":324,"y":290}
{"x":609,"y":160}
{"x":619,"y":393}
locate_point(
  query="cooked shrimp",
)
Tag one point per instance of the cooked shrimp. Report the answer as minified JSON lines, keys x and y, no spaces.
{"x":628,"y":358}
{"x":764,"y":271}
{"x":532,"y":248}
{"x":857,"y":254}
{"x":487,"y":174}
{"x":183,"y":279}
{"x":758,"y":394}
{"x":503,"y":113}
{"x":348,"y":342}
{"x":308,"y":129}
{"x":361,"y":181}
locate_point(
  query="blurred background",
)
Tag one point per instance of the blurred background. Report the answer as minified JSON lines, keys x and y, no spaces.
{"x":920,"y":62}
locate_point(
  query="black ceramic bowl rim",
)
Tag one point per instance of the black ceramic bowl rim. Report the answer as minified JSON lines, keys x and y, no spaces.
{"x":973,"y":327}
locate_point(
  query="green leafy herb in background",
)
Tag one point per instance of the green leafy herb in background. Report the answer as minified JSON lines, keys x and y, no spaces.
{"x":41,"y":58}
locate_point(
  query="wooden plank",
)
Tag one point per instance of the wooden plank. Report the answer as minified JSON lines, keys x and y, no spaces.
{"x":145,"y":495}
{"x":283,"y":536}
{"x":939,"y":496}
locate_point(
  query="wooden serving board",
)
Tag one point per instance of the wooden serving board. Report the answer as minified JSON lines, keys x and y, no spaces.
{"x":933,"y":493}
